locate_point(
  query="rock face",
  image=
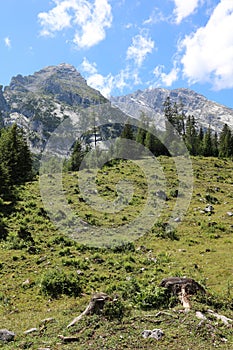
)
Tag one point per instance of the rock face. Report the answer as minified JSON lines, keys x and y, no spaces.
{"x":151,"y":102}
{"x":39,"y":102}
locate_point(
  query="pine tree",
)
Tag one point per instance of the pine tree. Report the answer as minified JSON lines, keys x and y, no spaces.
{"x":225,"y":142}
{"x":76,"y":156}
{"x":15,"y":155}
{"x":141,"y":131}
{"x":127,"y":132}
{"x":191,"y":137}
{"x":208,"y":143}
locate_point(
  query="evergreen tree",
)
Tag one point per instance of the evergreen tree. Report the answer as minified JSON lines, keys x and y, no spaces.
{"x":141,"y":131}
{"x":208,"y":143}
{"x":200,"y":139}
{"x":191,"y":136}
{"x":225,"y":142}
{"x":215,"y":145}
{"x":76,"y":156}
{"x":127,"y":132}
{"x":15,"y":155}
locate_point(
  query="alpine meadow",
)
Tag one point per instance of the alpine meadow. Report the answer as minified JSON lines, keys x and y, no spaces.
{"x":116,"y":217}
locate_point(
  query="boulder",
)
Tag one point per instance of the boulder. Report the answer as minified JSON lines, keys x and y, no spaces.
{"x":6,"y":335}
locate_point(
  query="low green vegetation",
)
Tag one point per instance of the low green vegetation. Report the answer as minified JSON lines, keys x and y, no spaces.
{"x":47,"y":278}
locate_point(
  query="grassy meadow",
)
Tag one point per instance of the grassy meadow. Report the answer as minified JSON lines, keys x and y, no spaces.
{"x":48,"y":278}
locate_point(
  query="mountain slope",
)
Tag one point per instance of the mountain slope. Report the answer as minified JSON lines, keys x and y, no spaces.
{"x":151,"y":102}
{"x":40,"y":102}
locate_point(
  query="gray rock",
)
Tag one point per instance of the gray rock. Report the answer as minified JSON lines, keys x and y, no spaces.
{"x":209,"y":209}
{"x":155,"y":333}
{"x":6,"y":335}
{"x":229,"y":213}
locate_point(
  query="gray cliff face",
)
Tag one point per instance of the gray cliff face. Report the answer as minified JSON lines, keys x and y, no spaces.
{"x":40,"y":102}
{"x":151,"y":102}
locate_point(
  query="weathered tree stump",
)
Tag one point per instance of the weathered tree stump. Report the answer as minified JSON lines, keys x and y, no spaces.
{"x":183,"y":287}
{"x":95,"y":306}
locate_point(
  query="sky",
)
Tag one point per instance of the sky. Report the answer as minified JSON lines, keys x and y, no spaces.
{"x":120,"y":46}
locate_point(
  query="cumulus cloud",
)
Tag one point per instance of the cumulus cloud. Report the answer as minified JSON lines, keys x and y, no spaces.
{"x":208,"y":52}
{"x":7,"y":42}
{"x":184,"y":8}
{"x":166,"y":79}
{"x":89,"y":20}
{"x":105,"y":84}
{"x":140,"y":48}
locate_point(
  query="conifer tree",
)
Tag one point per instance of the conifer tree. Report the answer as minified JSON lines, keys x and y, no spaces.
{"x":191,"y":136}
{"x":225,"y":142}
{"x":208,"y":143}
{"x":15,"y":155}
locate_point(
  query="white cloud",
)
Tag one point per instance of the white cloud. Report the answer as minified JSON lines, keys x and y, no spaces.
{"x":7,"y":42}
{"x":166,"y":79}
{"x":208,"y":53}
{"x":89,"y":20}
{"x":87,"y":67}
{"x":155,"y":17}
{"x":184,"y":8}
{"x":105,"y":84}
{"x":141,"y":46}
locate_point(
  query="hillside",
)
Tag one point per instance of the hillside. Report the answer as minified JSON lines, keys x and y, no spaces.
{"x":47,"y":278}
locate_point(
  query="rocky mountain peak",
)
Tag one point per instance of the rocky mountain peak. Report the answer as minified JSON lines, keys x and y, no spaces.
{"x":44,"y":78}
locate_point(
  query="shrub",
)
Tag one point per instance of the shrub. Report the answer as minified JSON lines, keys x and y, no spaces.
{"x":155,"y":297}
{"x":115,"y":310}
{"x":55,"y":283}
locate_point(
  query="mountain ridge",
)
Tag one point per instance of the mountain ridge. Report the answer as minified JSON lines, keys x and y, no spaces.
{"x":41,"y":101}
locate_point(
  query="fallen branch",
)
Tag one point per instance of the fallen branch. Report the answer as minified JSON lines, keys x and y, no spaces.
{"x":68,"y":339}
{"x":224,"y":319}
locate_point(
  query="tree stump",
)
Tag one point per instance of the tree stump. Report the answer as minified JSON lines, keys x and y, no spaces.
{"x":183,"y":287}
{"x":95,"y":306}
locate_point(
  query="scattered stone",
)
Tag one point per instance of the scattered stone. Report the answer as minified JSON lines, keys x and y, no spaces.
{"x":200,"y":315}
{"x":155,"y":333}
{"x":178,"y":219}
{"x":26,"y":282}
{"x":209,"y":209}
{"x":6,"y":335}
{"x":161,"y":194}
{"x":230,"y":213}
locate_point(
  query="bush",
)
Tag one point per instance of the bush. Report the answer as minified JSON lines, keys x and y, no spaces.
{"x":115,"y":310}
{"x":155,"y":297}
{"x":55,"y":283}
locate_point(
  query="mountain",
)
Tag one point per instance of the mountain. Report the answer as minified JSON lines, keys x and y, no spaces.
{"x":41,"y":102}
{"x":151,"y":101}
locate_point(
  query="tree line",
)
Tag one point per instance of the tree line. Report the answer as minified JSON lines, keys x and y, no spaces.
{"x":199,"y":141}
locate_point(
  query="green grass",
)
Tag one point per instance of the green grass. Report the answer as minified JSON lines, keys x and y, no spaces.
{"x":200,"y":247}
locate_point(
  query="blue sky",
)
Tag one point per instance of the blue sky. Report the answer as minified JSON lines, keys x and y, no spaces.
{"x":120,"y":46}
